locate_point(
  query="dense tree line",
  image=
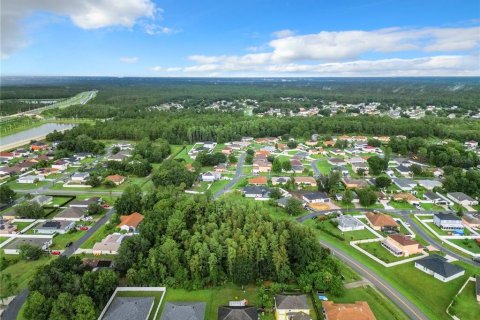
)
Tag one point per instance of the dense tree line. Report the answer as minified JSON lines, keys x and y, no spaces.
{"x":195,"y":242}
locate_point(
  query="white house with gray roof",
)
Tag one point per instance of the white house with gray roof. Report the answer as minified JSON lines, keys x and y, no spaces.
{"x":404,"y":184}
{"x":462,"y":199}
{"x":184,"y":311}
{"x":439,"y":268}
{"x":349,"y":223}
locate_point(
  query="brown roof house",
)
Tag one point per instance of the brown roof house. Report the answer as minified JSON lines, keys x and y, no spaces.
{"x":400,"y":245}
{"x":258,"y":181}
{"x":381,"y":221}
{"x":305,"y":181}
{"x":130,"y":223}
{"x":116,"y":178}
{"x":360,"y":310}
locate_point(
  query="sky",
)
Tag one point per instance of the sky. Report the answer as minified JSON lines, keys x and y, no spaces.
{"x":257,"y":38}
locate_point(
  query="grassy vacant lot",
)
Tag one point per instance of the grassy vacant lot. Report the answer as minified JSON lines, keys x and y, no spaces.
{"x":401,"y":205}
{"x":380,"y":305}
{"x":156,"y":294}
{"x":59,"y":241}
{"x":26,"y":186}
{"x":466,"y":306}
{"x":380,"y":252}
{"x":431,"y":207}
{"x":59,"y":200}
{"x":410,"y":281}
{"x":323,"y":166}
{"x":22,"y":271}
{"x":214,"y":298}
{"x":468,"y":244}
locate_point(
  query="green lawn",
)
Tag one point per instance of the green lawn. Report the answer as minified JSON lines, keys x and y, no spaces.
{"x":109,"y":199}
{"x":184,"y":154}
{"x":2,"y":239}
{"x":59,"y":241}
{"x":401,"y":205}
{"x":466,"y":306}
{"x":437,"y":229}
{"x":468,"y":244}
{"x":218,"y":185}
{"x":431,"y":207}
{"x":59,"y":200}
{"x":349,"y":235}
{"x":380,"y":252}
{"x":27,"y":186}
{"x":156,"y":294}
{"x":323,"y":166}
{"x":215,"y":298}
{"x":97,"y":236}
{"x":410,"y":281}
{"x":382,"y":307}
{"x":22,"y":225}
{"x":22,"y":271}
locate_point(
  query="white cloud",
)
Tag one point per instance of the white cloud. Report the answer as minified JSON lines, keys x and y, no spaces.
{"x":162,"y":69}
{"x":129,"y":59}
{"x":285,"y":33}
{"x":85,"y":14}
{"x":154,"y":29}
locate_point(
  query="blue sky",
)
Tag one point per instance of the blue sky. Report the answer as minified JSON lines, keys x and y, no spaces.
{"x":240,"y":38}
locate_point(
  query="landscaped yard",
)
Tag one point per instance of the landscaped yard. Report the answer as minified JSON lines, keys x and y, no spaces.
{"x":348,"y":236}
{"x":401,"y":205}
{"x":466,"y":306}
{"x":59,"y":241}
{"x":215,"y":298}
{"x":469,"y":244}
{"x":382,"y":307}
{"x":22,"y":225}
{"x":437,"y":229}
{"x":380,"y":252}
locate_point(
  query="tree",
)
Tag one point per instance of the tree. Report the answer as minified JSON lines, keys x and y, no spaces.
{"x":115,"y":150}
{"x":248,"y":159}
{"x":37,"y":307}
{"x":366,"y":197}
{"x":84,"y":308}
{"x":250,"y":152}
{"x":29,"y":252}
{"x":7,"y":195}
{"x":292,"y":144}
{"x":62,"y":307}
{"x":329,"y":183}
{"x":30,"y":210}
{"x":383,"y":181}
{"x":109,"y":184}
{"x":416,"y":169}
{"x":232,"y":158}
{"x":7,"y":285}
{"x":293,"y":206}
{"x":377,"y":164}
{"x":171,"y":172}
{"x":374,"y":143}
{"x":95,"y":209}
{"x":277,"y":165}
{"x":94,"y":181}
{"x":275,"y":193}
{"x":130,"y":201}
{"x":286,"y":165}
{"x":347,"y":197}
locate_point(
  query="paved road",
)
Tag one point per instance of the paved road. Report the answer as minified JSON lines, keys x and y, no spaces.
{"x":316,"y":172}
{"x":403,"y":303}
{"x":69,"y":192}
{"x":14,"y":307}
{"x":238,"y":175}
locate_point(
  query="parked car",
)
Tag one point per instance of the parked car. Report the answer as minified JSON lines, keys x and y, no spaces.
{"x":106,"y":205}
{"x":84,"y":228}
{"x":68,"y":244}
{"x":56,"y":253}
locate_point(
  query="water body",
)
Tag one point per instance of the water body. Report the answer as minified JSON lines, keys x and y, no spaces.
{"x":36,"y":132}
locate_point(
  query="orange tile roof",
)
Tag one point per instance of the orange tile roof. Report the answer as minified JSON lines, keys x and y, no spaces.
{"x":115,"y":178}
{"x":360,"y":310}
{"x":262,"y":152}
{"x":403,"y":240}
{"x":381,"y":220}
{"x":258,"y":180}
{"x":329,"y":143}
{"x":132,"y":220}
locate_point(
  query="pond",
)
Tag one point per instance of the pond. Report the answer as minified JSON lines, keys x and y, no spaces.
{"x":36,"y":132}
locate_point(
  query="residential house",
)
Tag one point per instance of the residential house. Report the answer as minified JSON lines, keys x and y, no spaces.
{"x":54,"y":226}
{"x":407,"y":197}
{"x":279,"y":180}
{"x":381,"y":221}
{"x":316,"y":197}
{"x":116,"y":179}
{"x":297,"y":165}
{"x":80,"y":177}
{"x":471,"y":220}
{"x":354,"y":183}
{"x":129,"y":308}
{"x":439,"y":267}
{"x":180,"y":310}
{"x":42,"y":199}
{"x":31,"y":179}
{"x":462,"y":199}
{"x":329,"y":143}
{"x":360,"y":168}
{"x":360,"y":310}
{"x":211,"y":176}
{"x":435,"y":198}
{"x":404,"y":170}
{"x":13,"y":247}
{"x":349,"y":223}
{"x":130,"y":223}
{"x":120,"y":156}
{"x":237,"y":313}
{"x":85,"y":202}
{"x":336,"y":162}
{"x":7,"y":227}
{"x":60,"y":165}
{"x":447,"y":221}
{"x":305,"y":181}
{"x":430,"y":184}
{"x":289,"y":307}
{"x":209,"y":144}
{"x":7,"y":155}
{"x":404,"y":184}
{"x":471,"y":145}
{"x":260,"y":193}
{"x":227,"y":151}
{"x":261,"y":166}
{"x":283,"y":202}
{"x":109,"y":245}
{"x":221,"y":167}
{"x":400,"y":245}
{"x":258,"y":181}
{"x":38,"y":145}
{"x":71,"y":214}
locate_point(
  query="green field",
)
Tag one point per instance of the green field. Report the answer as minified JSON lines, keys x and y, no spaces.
{"x":218,"y":185}
{"x":27,"y":186}
{"x":431,"y":207}
{"x":215,"y":297}
{"x":382,"y":307}
{"x":468,"y":244}
{"x":184,"y":154}
{"x":466,"y":306}
{"x":323,"y":166}
{"x":401,"y":205}
{"x":59,"y":200}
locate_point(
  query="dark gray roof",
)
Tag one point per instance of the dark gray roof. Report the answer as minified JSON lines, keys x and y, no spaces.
{"x":256,"y":190}
{"x":432,"y":196}
{"x":72,"y":212}
{"x":129,"y":308}
{"x":315,"y":195}
{"x":291,"y":301}
{"x":460,"y":196}
{"x":237,"y":313}
{"x":447,"y":216}
{"x":184,"y":311}
{"x":439,"y":265}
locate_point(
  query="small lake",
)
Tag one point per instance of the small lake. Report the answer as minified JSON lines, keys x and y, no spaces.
{"x":32,"y":133}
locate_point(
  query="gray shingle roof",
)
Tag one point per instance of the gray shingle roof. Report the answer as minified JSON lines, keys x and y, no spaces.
{"x":237,"y":313}
{"x":129,"y":308}
{"x":291,"y":301}
{"x":184,"y":311}
{"x":447,"y":216}
{"x":439,"y":265}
